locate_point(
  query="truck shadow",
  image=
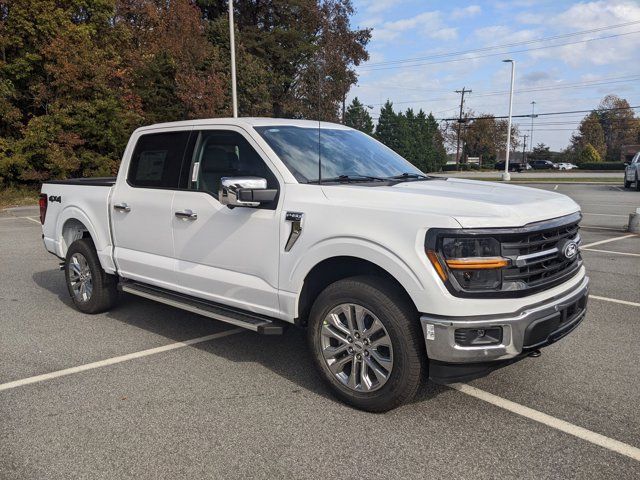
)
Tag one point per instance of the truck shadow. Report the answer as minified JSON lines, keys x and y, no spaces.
{"x":286,"y":355}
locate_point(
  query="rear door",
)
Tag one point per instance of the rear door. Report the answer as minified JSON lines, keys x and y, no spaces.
{"x":228,"y":255}
{"x":141,"y":207}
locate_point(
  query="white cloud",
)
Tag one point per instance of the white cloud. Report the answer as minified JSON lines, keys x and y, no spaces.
{"x":530,"y":18}
{"x":469,"y":11}
{"x":584,"y":16}
{"x":430,"y":24}
{"x":379,"y":6}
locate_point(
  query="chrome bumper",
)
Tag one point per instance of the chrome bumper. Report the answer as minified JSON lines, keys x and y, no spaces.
{"x":532,"y":327}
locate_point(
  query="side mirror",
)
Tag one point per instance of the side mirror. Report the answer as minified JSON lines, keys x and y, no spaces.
{"x":245,"y":192}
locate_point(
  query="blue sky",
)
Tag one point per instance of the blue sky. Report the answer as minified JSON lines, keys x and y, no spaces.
{"x":574,"y":76}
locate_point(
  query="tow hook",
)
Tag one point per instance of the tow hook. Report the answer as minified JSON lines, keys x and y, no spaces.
{"x":535,"y":354}
{"x":61,"y":266}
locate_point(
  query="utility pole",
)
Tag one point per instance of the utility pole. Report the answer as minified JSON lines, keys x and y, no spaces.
{"x":533,"y":111}
{"x":460,"y":121}
{"x":524,"y":148}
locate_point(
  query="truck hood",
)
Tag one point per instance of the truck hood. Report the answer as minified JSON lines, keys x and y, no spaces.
{"x":473,"y":204}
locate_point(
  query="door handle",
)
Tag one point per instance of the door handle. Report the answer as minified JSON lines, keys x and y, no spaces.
{"x":122,"y":207}
{"x":188,"y":214}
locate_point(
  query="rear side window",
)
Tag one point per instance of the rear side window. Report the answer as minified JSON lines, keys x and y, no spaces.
{"x":157,"y":160}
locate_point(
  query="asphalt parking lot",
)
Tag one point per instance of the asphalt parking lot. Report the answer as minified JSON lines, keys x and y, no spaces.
{"x":239,"y":405}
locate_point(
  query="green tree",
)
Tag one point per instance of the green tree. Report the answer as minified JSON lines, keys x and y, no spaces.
{"x":356,"y":116}
{"x":589,"y":154}
{"x":540,"y":152}
{"x":387,"y":129}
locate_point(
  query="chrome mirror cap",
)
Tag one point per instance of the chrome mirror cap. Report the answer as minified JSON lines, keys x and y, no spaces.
{"x":230,"y":188}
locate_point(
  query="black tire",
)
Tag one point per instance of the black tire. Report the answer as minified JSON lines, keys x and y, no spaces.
{"x":104,"y":286}
{"x":401,"y":322}
{"x":627,"y":183}
{"x":637,"y":183}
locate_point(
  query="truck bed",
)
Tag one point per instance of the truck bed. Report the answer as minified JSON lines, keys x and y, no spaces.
{"x":74,"y":206}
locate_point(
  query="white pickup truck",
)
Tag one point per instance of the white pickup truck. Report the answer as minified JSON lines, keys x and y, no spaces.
{"x":262,"y":223}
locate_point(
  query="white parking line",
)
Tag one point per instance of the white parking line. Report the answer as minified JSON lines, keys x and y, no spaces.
{"x":593,"y":227}
{"x":605,"y":214}
{"x":610,"y":251}
{"x":114,"y":360}
{"x":37,"y":220}
{"x":614,"y":300}
{"x":553,"y":422}
{"x":607,"y":240}
{"x":556,"y":187}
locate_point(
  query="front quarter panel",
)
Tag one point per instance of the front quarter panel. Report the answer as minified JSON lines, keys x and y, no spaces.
{"x":391,"y":240}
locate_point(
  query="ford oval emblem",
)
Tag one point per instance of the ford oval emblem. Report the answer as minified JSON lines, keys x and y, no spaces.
{"x":570,"y":250}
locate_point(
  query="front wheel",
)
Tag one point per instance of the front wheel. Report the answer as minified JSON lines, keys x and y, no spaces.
{"x":637,"y":183}
{"x":367,"y":343}
{"x":91,"y":288}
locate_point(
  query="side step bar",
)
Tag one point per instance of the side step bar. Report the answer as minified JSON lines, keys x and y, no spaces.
{"x":248,"y":320}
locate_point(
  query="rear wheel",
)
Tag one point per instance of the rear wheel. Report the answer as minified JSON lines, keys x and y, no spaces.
{"x":367,"y":343}
{"x":91,"y":288}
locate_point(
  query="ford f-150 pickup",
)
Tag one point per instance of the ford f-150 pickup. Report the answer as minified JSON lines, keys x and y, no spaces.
{"x":261,"y":223}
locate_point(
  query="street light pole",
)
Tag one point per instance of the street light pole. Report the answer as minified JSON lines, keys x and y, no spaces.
{"x":232,"y":46}
{"x":505,"y":176}
{"x":533,"y":111}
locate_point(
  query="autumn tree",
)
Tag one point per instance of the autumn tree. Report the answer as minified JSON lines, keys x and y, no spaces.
{"x":619,"y":125}
{"x":77,"y":76}
{"x":357,"y":116}
{"x":485,"y":137}
{"x":590,"y":132}
{"x":589,"y":154}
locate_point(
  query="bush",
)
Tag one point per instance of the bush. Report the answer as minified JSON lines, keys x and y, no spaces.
{"x":601,"y":166}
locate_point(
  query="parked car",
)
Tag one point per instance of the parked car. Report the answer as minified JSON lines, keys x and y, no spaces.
{"x":543,"y":165}
{"x":566,"y":166}
{"x":393,"y":273}
{"x":632,"y":172}
{"x":513,"y":166}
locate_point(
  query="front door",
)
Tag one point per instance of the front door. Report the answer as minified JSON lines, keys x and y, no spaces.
{"x":227,"y":255}
{"x":141,"y":208}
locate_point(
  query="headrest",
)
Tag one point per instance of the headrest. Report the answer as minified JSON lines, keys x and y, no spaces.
{"x":218,"y":160}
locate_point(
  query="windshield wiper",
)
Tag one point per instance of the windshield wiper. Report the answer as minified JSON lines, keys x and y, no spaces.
{"x":408,"y":176}
{"x":350,"y":179}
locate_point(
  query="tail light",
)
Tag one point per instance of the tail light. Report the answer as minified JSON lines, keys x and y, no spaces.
{"x":42,"y":202}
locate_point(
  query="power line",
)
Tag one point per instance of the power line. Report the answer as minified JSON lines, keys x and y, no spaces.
{"x":541,"y":88}
{"x":493,"y":47}
{"x":507,"y":53}
{"x":543,"y":114}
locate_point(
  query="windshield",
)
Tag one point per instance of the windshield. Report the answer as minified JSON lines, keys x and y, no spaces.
{"x":343,"y":153}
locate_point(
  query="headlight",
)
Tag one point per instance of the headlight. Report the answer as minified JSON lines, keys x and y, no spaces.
{"x":472,"y":263}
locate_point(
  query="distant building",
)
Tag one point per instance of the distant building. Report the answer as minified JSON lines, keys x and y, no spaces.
{"x":628,"y":151}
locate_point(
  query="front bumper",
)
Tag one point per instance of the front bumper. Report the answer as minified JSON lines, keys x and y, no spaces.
{"x":532,"y":327}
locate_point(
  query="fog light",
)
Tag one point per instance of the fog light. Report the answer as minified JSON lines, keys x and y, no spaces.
{"x":470,"y":337}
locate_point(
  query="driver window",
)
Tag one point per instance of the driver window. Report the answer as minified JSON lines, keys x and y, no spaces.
{"x":220,"y":153}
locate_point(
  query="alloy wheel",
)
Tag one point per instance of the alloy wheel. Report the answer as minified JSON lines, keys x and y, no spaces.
{"x":356,"y":347}
{"x":80,"y":278}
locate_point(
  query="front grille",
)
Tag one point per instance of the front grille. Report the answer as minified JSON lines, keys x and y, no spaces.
{"x":537,"y":259}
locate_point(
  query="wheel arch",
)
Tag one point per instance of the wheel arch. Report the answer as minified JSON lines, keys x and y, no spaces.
{"x":73,"y":224}
{"x":335,"y":268}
